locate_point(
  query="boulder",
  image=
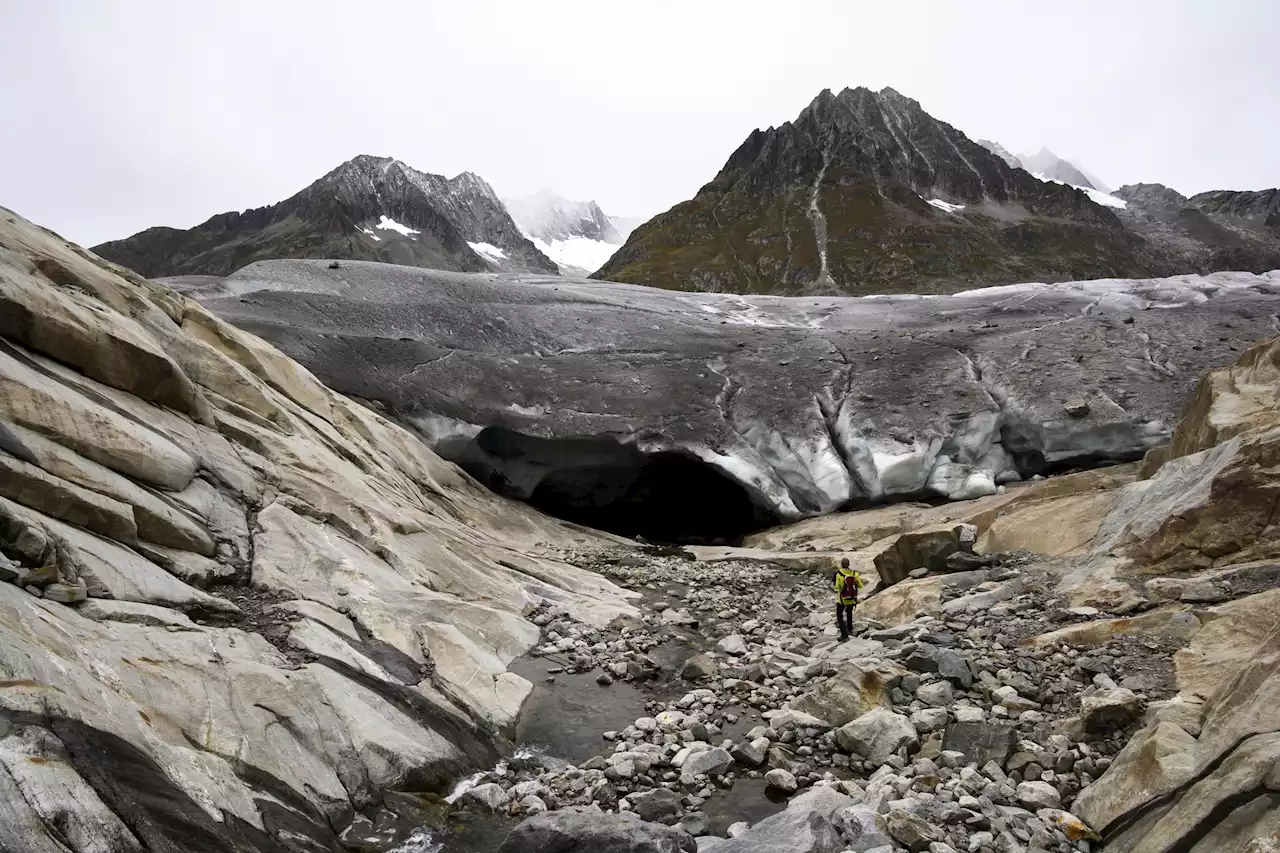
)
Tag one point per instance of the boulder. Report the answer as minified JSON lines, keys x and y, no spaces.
{"x":1109,"y":710}
{"x":912,"y":832}
{"x":732,"y":645}
{"x":1038,"y":795}
{"x":929,"y":719}
{"x":489,"y":797}
{"x":938,"y":694}
{"x":981,"y":742}
{"x":904,"y":601}
{"x":751,"y":753}
{"x":782,"y":780}
{"x":954,"y":667}
{"x":877,"y":734}
{"x":698,"y":667}
{"x":707,"y":762}
{"x":807,"y":825}
{"x":655,"y":804}
{"x":851,"y":692}
{"x":925,"y":548}
{"x":587,"y":830}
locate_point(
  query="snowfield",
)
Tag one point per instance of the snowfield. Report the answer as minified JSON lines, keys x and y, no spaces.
{"x":386,"y":223}
{"x":945,"y":205}
{"x":488,"y":251}
{"x":1098,"y":196}
{"x":577,"y":254}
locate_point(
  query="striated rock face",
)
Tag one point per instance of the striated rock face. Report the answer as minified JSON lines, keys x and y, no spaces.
{"x":234,"y":605}
{"x":1202,"y":774}
{"x":369,"y":208}
{"x":634,"y":410}
{"x":1217,"y":230}
{"x":865,"y":192}
{"x":1211,"y":494}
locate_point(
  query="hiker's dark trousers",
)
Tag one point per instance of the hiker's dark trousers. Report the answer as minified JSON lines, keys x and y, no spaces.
{"x":844,"y":618}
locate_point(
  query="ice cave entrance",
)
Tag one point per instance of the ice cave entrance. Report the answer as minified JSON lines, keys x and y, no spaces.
{"x":670,"y":496}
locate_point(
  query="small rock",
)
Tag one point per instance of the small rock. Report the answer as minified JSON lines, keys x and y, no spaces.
{"x":489,"y":797}
{"x":939,"y":694}
{"x":1109,"y":710}
{"x":910,"y":831}
{"x":1076,"y":408}
{"x":781,"y":779}
{"x":698,"y":667}
{"x":655,"y":804}
{"x":751,"y":753}
{"x":709,"y":762}
{"x":65,"y":593}
{"x":1038,"y":795}
{"x":733,"y":645}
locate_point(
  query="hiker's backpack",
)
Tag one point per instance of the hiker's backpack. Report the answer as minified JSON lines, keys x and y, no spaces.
{"x":852,"y":583}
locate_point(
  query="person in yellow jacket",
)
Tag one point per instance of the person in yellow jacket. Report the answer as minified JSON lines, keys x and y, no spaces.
{"x":846,"y":583}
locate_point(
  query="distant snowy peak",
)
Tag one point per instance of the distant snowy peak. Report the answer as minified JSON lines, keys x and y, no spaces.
{"x":1045,"y":162}
{"x":548,"y":217}
{"x":1000,"y":151}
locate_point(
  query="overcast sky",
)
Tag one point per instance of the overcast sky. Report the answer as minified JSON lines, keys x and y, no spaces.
{"x":122,"y":114}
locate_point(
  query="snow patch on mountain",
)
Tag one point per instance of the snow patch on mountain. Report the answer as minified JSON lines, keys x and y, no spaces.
{"x":386,"y":223}
{"x":1098,"y":196}
{"x":945,"y":205}
{"x":576,"y":255}
{"x":490,"y":251}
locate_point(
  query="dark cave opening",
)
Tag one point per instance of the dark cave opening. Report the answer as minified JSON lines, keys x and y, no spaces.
{"x":668,"y":497}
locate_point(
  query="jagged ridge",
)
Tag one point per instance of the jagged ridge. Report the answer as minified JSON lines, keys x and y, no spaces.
{"x":870,"y":163}
{"x":344,"y":215}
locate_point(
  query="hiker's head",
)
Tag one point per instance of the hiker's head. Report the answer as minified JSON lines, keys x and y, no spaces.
{"x":844,"y":564}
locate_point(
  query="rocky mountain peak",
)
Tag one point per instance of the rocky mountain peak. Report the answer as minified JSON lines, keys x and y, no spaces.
{"x":368,"y":208}
{"x":1258,"y":210}
{"x":1151,"y":195}
{"x":848,"y":195}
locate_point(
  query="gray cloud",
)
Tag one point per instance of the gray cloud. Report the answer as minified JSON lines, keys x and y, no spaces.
{"x":123,"y":115}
